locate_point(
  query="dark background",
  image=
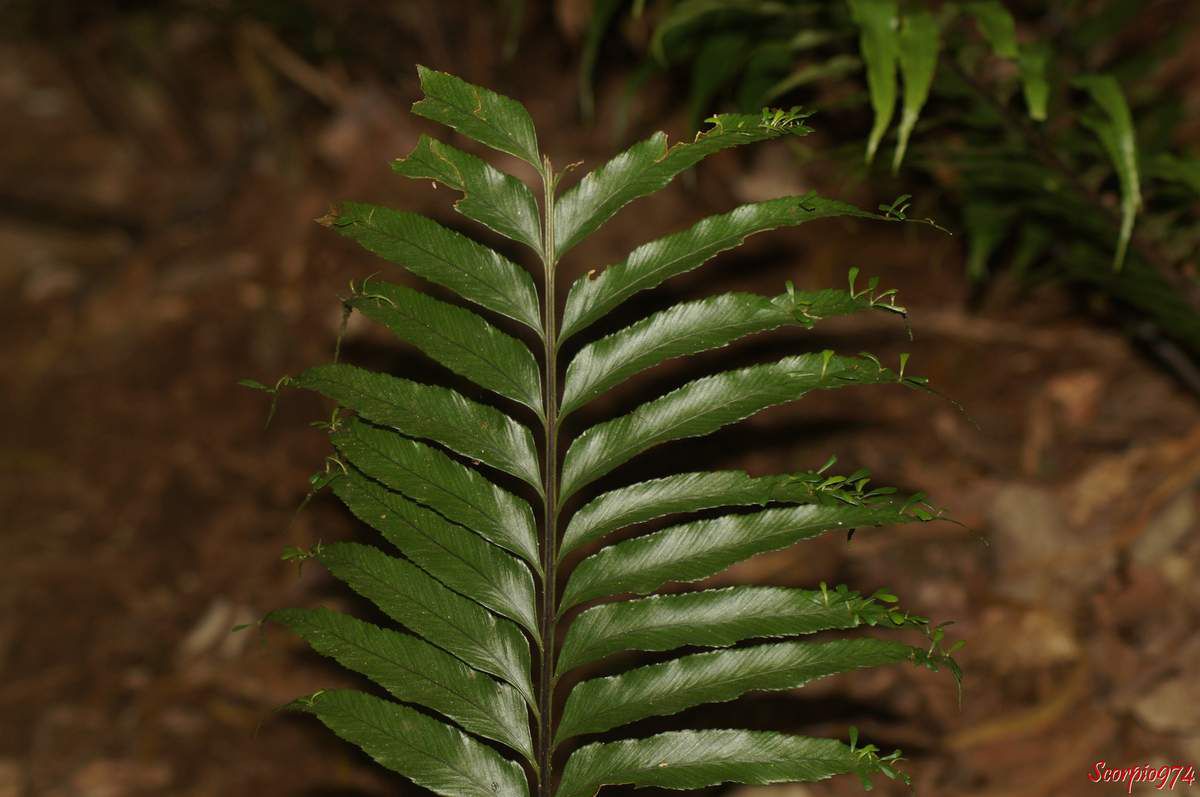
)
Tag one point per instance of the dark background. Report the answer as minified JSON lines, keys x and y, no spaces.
{"x":162,"y":164}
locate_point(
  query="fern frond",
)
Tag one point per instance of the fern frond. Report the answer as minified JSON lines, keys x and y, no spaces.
{"x":475,"y":594}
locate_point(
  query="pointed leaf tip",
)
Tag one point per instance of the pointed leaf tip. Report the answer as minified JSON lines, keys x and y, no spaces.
{"x":330,"y":218}
{"x":878,"y":21}
{"x":920,"y":42}
{"x":480,"y":114}
{"x":1114,"y":128}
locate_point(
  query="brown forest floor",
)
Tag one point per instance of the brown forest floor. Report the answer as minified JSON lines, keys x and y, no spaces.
{"x":157,"y":244}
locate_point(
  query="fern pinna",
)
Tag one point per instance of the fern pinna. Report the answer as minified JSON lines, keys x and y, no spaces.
{"x":485,"y":589}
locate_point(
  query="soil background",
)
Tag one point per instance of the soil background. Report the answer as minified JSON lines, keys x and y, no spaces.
{"x":162,"y":165}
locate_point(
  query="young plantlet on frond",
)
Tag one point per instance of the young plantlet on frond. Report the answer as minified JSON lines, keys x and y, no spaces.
{"x":484,"y":515}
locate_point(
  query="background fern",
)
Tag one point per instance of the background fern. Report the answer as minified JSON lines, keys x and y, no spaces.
{"x":1027,"y":134}
{"x":484,"y":592}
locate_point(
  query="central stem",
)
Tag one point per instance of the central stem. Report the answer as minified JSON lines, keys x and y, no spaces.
{"x":550,"y":515}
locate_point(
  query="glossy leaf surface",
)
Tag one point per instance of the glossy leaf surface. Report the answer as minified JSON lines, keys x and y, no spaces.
{"x":416,"y":672}
{"x":443,"y":256}
{"x":435,"y":413}
{"x":456,"y":338}
{"x":716,"y":618}
{"x":485,"y":116}
{"x":592,"y":297}
{"x":418,"y":602}
{"x":432,"y":478}
{"x":696,"y":759}
{"x":496,"y":200}
{"x":696,"y":550}
{"x":692,"y":327}
{"x":661,"y":689}
{"x":650,"y":165}
{"x":692,"y":492}
{"x":455,"y":556}
{"x":705,"y":405}
{"x":430,"y":753}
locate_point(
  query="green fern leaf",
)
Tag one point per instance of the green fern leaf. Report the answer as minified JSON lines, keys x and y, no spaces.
{"x":920,"y":41}
{"x":593,"y":297}
{"x":1035,"y":83}
{"x":460,"y":559}
{"x":697,"y":759}
{"x":707,"y":404}
{"x":716,"y":677}
{"x":692,"y":551}
{"x":692,"y":492}
{"x":456,"y":338}
{"x":1000,"y":29}
{"x":650,"y":165}
{"x":416,"y":672}
{"x":491,"y":197}
{"x":997,"y":26}
{"x":717,"y":618}
{"x":412,"y":598}
{"x":693,"y":327}
{"x":440,"y":255}
{"x":479,"y":114}
{"x":1115,"y":131}
{"x":434,"y":413}
{"x":429,"y":477}
{"x":430,"y":753}
{"x":878,"y":21}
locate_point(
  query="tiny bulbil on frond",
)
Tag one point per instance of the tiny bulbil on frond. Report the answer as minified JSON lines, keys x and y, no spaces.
{"x":500,"y":566}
